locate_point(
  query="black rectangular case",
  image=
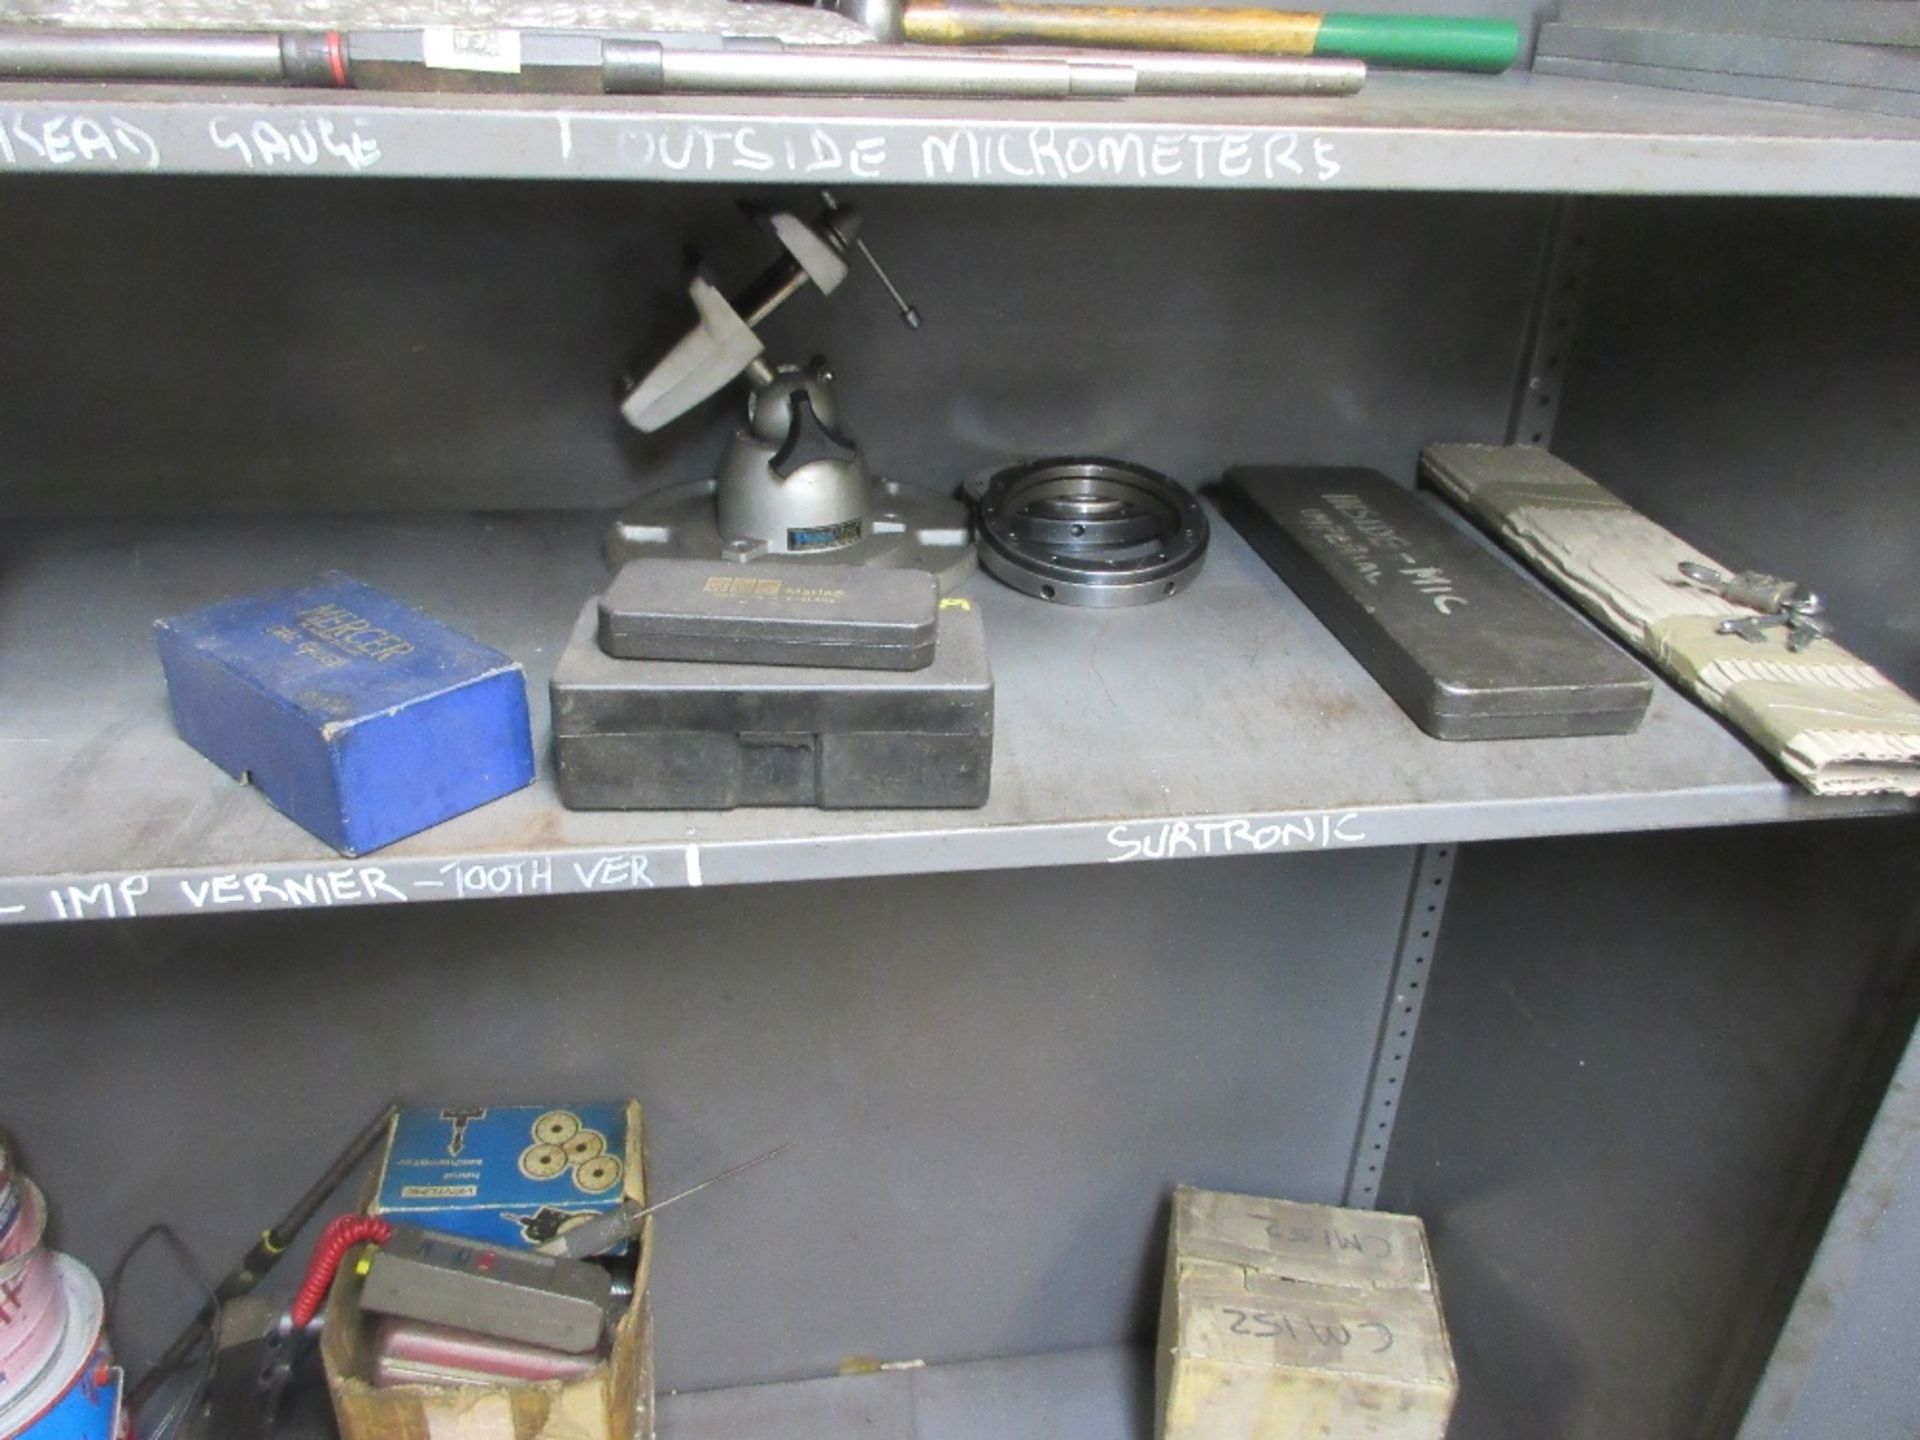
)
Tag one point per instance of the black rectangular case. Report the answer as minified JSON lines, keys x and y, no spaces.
{"x":1467,"y":646}
{"x":770,"y":613}
{"x":679,"y":735}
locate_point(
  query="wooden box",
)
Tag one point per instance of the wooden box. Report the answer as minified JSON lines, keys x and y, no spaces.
{"x":1281,"y":1320}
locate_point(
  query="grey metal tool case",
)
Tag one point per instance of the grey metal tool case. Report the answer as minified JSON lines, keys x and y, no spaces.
{"x":674,"y":735}
{"x":851,"y":617}
{"x":1467,"y":646}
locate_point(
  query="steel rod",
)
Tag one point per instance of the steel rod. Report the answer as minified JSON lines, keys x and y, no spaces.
{"x":232,"y":56}
{"x":648,"y":68}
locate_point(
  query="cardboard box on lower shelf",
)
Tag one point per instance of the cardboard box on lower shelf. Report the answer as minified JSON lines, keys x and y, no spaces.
{"x":612,"y":1400}
{"x":1286,"y":1319}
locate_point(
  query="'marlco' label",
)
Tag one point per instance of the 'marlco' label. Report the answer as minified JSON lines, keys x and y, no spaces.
{"x":740,"y":587}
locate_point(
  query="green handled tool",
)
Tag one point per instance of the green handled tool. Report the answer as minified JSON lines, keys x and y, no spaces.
{"x":1430,"y":41}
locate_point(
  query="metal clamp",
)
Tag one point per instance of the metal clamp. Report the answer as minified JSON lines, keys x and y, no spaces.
{"x":1780,"y":605}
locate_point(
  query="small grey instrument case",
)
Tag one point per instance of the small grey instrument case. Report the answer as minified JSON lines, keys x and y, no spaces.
{"x":771,"y":612}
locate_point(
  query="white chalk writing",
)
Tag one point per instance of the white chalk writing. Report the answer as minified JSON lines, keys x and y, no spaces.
{"x":1037,"y":153}
{"x":533,"y":876}
{"x":307,"y":143}
{"x":1047,"y":152}
{"x":1173,"y":839}
{"x":99,"y":900}
{"x":126,"y":896}
{"x":337,"y":885}
{"x":1430,"y":580}
{"x":625,"y":870}
{"x":83,"y":142}
{"x":679,"y":149}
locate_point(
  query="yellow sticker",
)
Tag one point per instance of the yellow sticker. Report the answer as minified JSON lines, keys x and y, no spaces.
{"x":741,"y":585}
{"x":954,"y":602}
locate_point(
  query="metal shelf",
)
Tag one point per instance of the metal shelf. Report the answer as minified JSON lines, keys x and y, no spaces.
{"x":1075,"y":1395}
{"x":1227,"y":721}
{"x":1520,"y":132}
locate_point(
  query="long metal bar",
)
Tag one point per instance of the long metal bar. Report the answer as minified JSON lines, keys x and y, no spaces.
{"x":1175,"y":73}
{"x":229,"y":56}
{"x":644,"y":67}
{"x":147,"y":55}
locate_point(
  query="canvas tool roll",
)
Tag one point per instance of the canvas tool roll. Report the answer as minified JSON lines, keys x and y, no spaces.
{"x":1831,"y":720}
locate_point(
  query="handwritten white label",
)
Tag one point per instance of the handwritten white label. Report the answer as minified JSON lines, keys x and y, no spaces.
{"x":295,"y":887}
{"x":83,"y":142}
{"x":339,"y":885}
{"x":621,"y":871}
{"x":751,"y":150}
{"x":1173,"y":839}
{"x":101,"y":900}
{"x":1038,"y":153}
{"x":1046,"y":152}
{"x":309,"y":143}
{"x":532,"y":876}
{"x":494,"y":52}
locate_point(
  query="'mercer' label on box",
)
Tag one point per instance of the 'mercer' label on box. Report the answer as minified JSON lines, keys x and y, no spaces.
{"x":355,"y":634}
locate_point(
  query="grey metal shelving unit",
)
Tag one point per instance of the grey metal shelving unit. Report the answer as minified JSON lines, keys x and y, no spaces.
{"x":1001,"y":1035}
{"x":1528,"y":133}
{"x":108,"y":816}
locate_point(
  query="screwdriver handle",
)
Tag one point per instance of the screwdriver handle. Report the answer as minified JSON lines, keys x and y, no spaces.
{"x":1431,"y":41}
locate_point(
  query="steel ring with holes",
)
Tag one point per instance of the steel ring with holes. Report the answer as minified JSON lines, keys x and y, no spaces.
{"x":1080,"y":530}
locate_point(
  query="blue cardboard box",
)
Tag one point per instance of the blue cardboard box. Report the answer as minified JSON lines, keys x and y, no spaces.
{"x":509,"y":1175}
{"x":356,"y":715}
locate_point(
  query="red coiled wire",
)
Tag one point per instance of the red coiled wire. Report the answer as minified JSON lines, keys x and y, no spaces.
{"x":343,"y":1232}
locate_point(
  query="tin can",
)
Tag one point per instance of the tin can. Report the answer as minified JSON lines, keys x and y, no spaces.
{"x":77,"y":1395}
{"x":13,"y":1188}
{"x":32,"y":1307}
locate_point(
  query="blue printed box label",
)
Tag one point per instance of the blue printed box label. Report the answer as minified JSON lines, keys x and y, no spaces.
{"x":510,"y":1175}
